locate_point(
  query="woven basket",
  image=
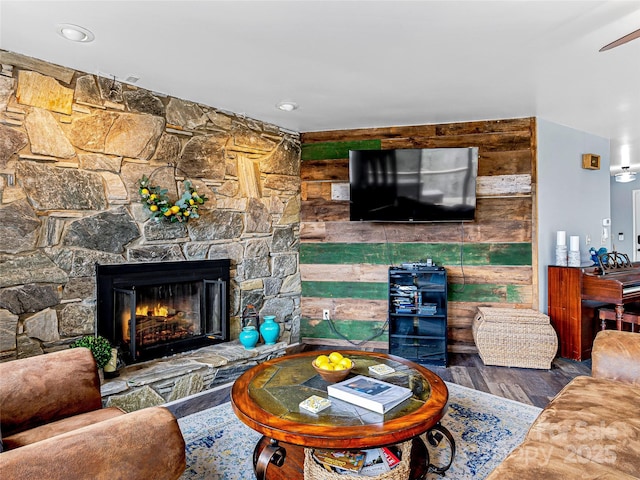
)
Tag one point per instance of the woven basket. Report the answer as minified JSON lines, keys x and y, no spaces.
{"x":511,"y":337}
{"x":314,"y":471}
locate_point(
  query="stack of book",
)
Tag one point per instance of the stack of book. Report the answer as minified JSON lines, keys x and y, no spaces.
{"x":404,"y":305}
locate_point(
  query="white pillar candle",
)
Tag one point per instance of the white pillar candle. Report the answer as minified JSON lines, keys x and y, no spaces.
{"x":562,"y":238}
{"x":574,"y":243}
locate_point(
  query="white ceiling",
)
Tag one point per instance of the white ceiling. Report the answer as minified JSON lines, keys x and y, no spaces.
{"x":356,"y":64}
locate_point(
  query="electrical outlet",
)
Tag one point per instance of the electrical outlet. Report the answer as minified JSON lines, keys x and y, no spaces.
{"x":325,"y":314}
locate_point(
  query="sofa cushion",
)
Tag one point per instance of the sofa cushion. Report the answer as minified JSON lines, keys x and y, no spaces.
{"x":61,"y":426}
{"x":539,"y":460}
{"x":594,"y":420}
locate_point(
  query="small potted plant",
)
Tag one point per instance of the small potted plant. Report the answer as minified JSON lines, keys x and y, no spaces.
{"x":100,"y":348}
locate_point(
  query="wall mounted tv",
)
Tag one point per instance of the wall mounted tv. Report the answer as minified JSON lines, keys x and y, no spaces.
{"x":413,"y":185}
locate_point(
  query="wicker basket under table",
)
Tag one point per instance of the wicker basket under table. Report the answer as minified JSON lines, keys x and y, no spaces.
{"x":512,"y":337}
{"x":314,"y":471}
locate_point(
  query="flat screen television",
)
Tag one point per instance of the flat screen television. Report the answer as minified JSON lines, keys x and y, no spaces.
{"x":413,"y":185}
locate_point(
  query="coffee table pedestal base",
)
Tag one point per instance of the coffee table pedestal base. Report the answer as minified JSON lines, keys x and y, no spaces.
{"x":269,"y":457}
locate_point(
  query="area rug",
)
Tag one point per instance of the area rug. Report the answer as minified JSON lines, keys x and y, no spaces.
{"x":485,"y":427}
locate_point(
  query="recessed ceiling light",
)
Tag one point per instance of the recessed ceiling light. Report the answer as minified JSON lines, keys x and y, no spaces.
{"x":287,"y":106}
{"x":75,"y":33}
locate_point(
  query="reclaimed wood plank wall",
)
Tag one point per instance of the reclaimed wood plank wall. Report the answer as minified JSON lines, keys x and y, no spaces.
{"x":490,"y":261}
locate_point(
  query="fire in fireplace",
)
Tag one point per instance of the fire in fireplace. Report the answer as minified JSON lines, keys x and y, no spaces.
{"x":149,"y":310}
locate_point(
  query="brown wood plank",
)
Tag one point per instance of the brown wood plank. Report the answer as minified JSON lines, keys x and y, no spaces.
{"x":488,"y":142}
{"x":496,"y":209}
{"x":322,"y":210}
{"x":315,"y":190}
{"x":486,"y":126}
{"x":367,"y":133}
{"x":351,"y":309}
{"x":519,"y":275}
{"x":325,"y":170}
{"x":510,"y":162}
{"x":337,"y":229}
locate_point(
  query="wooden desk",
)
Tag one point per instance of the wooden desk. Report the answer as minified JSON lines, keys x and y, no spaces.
{"x":266,"y":398}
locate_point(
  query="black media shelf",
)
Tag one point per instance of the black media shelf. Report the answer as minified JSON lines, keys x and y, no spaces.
{"x":418,"y":314}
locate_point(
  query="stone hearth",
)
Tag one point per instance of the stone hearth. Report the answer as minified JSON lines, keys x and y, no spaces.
{"x":165,"y":380}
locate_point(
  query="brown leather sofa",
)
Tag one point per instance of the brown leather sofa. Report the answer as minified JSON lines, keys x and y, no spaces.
{"x":53,"y":426}
{"x":591,"y":429}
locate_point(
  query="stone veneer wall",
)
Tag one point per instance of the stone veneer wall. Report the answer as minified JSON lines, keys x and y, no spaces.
{"x":72,"y":147}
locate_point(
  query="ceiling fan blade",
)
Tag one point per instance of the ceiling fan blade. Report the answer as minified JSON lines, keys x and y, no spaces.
{"x":621,"y":41}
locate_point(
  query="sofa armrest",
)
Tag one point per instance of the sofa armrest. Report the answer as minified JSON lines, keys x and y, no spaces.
{"x":616,"y":356}
{"x":140,"y":445}
{"x":46,"y":388}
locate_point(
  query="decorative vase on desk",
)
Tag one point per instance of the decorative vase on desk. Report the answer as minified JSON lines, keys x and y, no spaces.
{"x":249,"y":337}
{"x":270,"y":330}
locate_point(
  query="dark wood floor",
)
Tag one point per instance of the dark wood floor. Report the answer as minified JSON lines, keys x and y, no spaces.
{"x":526,"y":385}
{"x":530,"y":386}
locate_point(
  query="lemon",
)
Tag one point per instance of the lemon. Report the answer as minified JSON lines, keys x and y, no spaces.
{"x":335,"y":357}
{"x":167,"y":213}
{"x":346,"y":363}
{"x":327,"y":366}
{"x":175,"y":209}
{"x":153,"y":208}
{"x":191,"y":202}
{"x":144,"y":191}
{"x":153,"y":196}
{"x":339,"y":366}
{"x":186,"y":214}
{"x":321,"y":360}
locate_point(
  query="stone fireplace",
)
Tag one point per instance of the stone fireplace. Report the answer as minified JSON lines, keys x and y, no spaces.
{"x":151,"y":310}
{"x":73,"y":148}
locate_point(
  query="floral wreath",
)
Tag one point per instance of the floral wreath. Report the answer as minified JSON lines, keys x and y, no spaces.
{"x":157,"y":202}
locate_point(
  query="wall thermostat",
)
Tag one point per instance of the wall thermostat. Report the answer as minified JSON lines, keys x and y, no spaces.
{"x":606,"y":222}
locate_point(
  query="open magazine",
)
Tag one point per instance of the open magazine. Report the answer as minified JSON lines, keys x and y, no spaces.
{"x":369,"y":463}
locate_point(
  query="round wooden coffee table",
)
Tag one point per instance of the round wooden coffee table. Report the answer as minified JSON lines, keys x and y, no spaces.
{"x":267,"y":398}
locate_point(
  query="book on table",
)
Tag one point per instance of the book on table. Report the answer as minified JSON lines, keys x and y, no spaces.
{"x":369,"y":393}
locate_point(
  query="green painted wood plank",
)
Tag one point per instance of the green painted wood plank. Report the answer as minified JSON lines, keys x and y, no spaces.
{"x":477,"y":293}
{"x":362,"y":290}
{"x":504,"y":254}
{"x":486,"y":292}
{"x":518,"y":293}
{"x":354,"y":330}
{"x":336,"y":150}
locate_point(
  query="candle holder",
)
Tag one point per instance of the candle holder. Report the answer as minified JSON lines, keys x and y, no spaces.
{"x":561,"y":255}
{"x":574,"y":258}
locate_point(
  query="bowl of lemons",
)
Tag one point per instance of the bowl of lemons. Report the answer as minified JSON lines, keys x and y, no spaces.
{"x":333,"y":367}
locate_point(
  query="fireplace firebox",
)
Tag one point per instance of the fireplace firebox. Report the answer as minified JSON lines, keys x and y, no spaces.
{"x":149,"y":310}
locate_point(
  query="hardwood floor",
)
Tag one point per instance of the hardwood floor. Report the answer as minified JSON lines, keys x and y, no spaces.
{"x":526,"y":385}
{"x":530,"y":386}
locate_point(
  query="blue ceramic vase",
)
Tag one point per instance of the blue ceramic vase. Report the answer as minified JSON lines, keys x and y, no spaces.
{"x":249,"y":337}
{"x":270,"y":329}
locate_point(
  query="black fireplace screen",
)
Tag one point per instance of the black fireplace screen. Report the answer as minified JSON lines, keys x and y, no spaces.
{"x":150,"y":310}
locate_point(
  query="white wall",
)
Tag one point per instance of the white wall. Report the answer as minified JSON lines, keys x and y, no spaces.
{"x":569,"y":197}
{"x":622,"y":215}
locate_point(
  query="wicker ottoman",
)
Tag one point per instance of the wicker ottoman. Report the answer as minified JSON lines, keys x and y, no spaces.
{"x":511,"y":337}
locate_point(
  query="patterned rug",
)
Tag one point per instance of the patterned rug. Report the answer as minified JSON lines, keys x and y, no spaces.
{"x":485,"y":427}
